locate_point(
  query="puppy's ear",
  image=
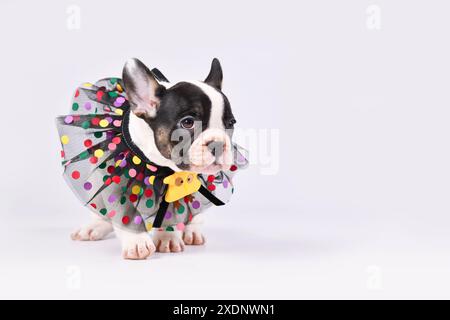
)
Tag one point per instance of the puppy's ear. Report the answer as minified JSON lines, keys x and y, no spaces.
{"x":159,"y":75}
{"x":143,"y":91}
{"x":215,"y":75}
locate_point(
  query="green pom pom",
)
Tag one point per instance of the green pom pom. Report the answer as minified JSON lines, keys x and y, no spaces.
{"x":85,"y":125}
{"x":84,"y":154}
{"x":149,"y":203}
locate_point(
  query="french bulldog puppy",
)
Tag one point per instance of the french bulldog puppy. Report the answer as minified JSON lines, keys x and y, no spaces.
{"x":160,"y":109}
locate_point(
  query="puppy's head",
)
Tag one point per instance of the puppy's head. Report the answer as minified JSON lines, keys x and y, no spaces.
{"x":185,"y":126}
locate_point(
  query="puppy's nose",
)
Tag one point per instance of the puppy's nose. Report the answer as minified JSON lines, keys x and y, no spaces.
{"x":216,"y":148}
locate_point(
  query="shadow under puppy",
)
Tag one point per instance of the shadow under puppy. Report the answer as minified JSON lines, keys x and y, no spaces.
{"x":148,"y":156}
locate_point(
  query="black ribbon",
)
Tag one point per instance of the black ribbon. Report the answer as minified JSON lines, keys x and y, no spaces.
{"x":164,"y":205}
{"x":208,"y":195}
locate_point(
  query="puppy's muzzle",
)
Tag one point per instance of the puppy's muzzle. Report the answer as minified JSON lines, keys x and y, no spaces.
{"x":216,"y":148}
{"x":210,"y":151}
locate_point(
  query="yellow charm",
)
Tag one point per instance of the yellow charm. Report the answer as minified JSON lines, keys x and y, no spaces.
{"x":181,"y":184}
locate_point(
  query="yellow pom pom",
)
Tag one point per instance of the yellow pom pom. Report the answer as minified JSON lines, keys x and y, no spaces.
{"x":135,"y":189}
{"x":136,"y":160}
{"x":98,"y":153}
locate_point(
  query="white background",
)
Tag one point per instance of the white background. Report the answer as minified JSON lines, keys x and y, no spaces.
{"x":358,"y":207}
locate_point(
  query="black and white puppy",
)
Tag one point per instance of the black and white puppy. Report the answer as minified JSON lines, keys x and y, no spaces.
{"x":186,"y":126}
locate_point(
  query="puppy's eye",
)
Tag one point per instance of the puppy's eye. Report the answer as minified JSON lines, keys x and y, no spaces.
{"x":187,"y":122}
{"x":230,"y":123}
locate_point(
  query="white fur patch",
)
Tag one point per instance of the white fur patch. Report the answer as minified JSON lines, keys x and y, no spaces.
{"x":143,"y":137}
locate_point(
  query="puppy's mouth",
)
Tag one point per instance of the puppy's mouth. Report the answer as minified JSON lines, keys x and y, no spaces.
{"x":210,"y":152}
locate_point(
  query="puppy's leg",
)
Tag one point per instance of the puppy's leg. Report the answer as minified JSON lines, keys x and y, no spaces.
{"x":168,"y":241}
{"x":98,"y":229}
{"x":135,"y":246}
{"x":193,"y":233}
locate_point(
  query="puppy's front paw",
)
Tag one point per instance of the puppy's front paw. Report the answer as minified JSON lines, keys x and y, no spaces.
{"x":96,"y":230}
{"x":193,"y":235}
{"x":168,"y":241}
{"x":137,"y":246}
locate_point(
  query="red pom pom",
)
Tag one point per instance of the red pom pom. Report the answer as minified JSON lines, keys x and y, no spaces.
{"x":126,"y":220}
{"x":100,"y":95}
{"x":76,"y":175}
{"x":148,"y":193}
{"x":87,"y":143}
{"x":116,"y":179}
{"x":95,"y":121}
